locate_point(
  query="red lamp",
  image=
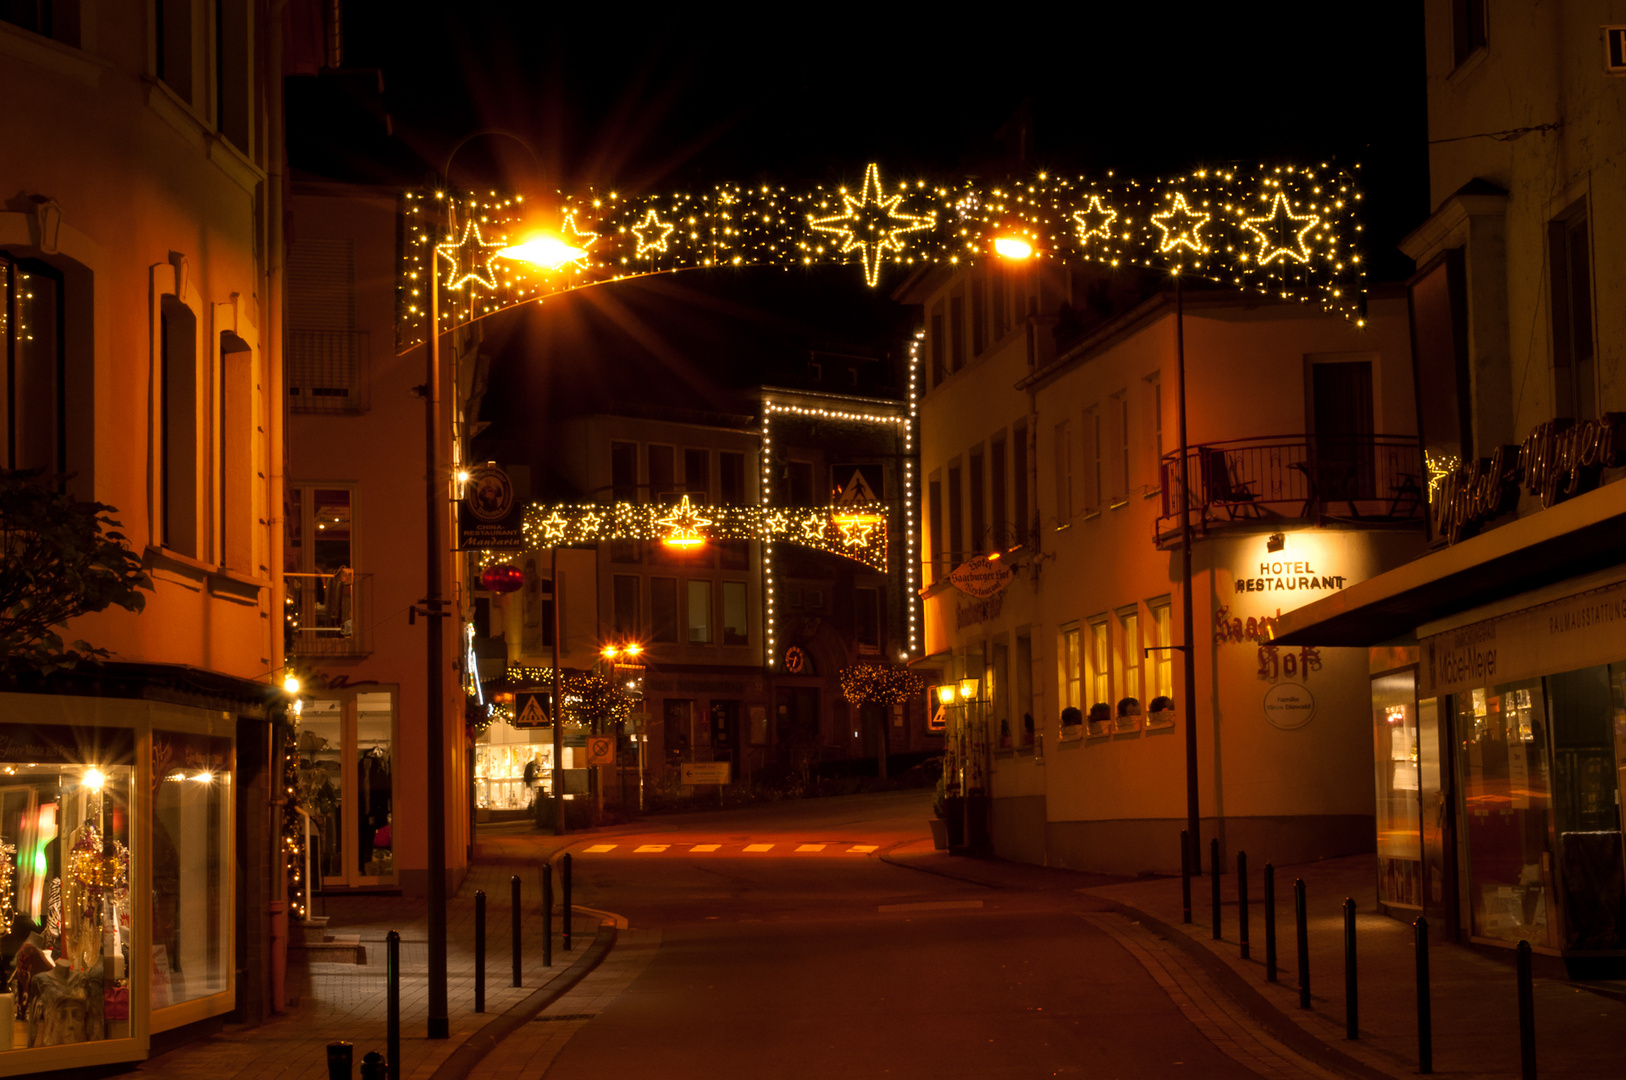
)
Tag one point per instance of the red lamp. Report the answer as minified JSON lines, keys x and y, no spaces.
{"x":502,"y":579}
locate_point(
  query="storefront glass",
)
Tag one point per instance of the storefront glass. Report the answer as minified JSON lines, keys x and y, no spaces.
{"x":65,"y":897}
{"x":191,"y":910}
{"x":346,"y":785}
{"x":1587,"y":714}
{"x":1399,"y":830}
{"x":1506,"y":800}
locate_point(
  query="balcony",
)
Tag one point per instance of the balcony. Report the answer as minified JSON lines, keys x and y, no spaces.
{"x":328,"y":614}
{"x":1370,"y":481}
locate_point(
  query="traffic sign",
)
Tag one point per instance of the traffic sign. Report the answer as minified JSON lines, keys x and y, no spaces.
{"x":531,"y":708}
{"x":601,"y":749}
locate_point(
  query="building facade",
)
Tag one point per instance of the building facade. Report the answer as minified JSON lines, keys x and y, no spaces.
{"x":1495,"y":659}
{"x":1050,"y":541}
{"x":140,"y":307}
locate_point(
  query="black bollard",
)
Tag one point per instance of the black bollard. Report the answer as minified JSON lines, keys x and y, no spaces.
{"x":480,"y":950}
{"x":1270,"y":922}
{"x":374,"y":1067}
{"x":340,"y":1055}
{"x":513,"y":923}
{"x":1352,"y":996}
{"x":564,"y":909}
{"x":1301,"y":918}
{"x":1527,"y":1015}
{"x":1185,"y":877}
{"x":1242,"y":900}
{"x":1425,"y":1016}
{"x":1213,"y":885}
{"x":392,"y":1010}
{"x":547,"y":914}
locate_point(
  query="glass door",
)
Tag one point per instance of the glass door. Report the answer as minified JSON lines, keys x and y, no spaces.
{"x":346,"y":785}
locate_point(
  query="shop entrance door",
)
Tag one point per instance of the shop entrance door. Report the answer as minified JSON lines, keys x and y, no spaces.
{"x":346,"y":779}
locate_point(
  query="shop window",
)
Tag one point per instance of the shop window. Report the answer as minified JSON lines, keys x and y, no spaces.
{"x":1589,"y":744}
{"x":736,"y":624}
{"x":1399,"y":821}
{"x":663,"y":610}
{"x":346,"y":786}
{"x":65,"y":807}
{"x":191,"y":886}
{"x":1501,"y":733}
{"x":699,"y":613}
{"x":624,"y":602}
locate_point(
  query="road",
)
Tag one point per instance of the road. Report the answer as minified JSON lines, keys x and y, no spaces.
{"x":781,"y":942}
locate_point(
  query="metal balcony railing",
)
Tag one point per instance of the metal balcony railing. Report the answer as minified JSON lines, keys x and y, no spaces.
{"x":328,"y":614}
{"x":1365,"y":480}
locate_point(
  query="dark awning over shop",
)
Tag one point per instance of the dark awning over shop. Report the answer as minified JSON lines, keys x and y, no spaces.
{"x":1583,"y":535}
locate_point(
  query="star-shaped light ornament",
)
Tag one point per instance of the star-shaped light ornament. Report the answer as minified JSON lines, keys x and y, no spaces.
{"x":855,"y":530}
{"x":553,"y":527}
{"x":1280,"y":232}
{"x":1094,"y":220}
{"x":652,"y":233}
{"x":813,"y":527}
{"x":1182,"y":226}
{"x":588,"y":524}
{"x":683,"y":526}
{"x":872,"y":222}
{"x":471,"y":257}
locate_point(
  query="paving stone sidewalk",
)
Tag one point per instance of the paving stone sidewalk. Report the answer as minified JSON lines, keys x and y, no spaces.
{"x":334,"y":1001}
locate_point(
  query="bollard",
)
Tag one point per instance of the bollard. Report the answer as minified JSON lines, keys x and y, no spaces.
{"x":1213,"y":885}
{"x":547,"y":914}
{"x":1425,"y":1018}
{"x":1352,"y":999}
{"x":392,"y":1011}
{"x":1302,"y":920}
{"x":480,"y":950}
{"x":1527,"y":1015}
{"x":1270,"y":922}
{"x":564,"y":908}
{"x":513,"y":923}
{"x":1242,"y":900}
{"x":374,"y":1067}
{"x":339,"y":1058}
{"x":1185,"y":877}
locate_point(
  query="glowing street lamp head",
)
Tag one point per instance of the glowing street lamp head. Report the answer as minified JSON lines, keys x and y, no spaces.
{"x":93,"y":779}
{"x":608,"y":652}
{"x":291,"y":683}
{"x":1012,"y":247}
{"x":945,"y":694}
{"x":545,"y":251}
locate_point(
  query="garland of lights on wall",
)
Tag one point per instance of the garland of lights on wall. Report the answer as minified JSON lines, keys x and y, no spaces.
{"x":1288,"y":231}
{"x":858,"y":532}
{"x":870,"y":515}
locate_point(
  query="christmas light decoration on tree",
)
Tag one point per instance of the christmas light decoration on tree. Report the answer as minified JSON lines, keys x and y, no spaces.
{"x":1287,"y":231}
{"x":877,"y":684}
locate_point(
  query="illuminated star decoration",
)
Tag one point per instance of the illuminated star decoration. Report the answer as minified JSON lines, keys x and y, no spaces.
{"x":1277,"y":225}
{"x":553,"y":527}
{"x":584,"y":240}
{"x":1184,"y":226}
{"x":1103,"y":216}
{"x":813,"y":529}
{"x":872,"y":222}
{"x":855,"y":530}
{"x":652,"y":233}
{"x":683,"y":524}
{"x":472,"y":252}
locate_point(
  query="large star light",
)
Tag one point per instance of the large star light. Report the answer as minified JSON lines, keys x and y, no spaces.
{"x":683,"y":526}
{"x":652,"y":233}
{"x":1094,"y":220}
{"x":1278,"y":225}
{"x":471,"y":253}
{"x":872,"y":223}
{"x":1182,"y":226}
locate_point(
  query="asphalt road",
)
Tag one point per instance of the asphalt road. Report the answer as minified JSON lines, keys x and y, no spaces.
{"x":797,"y":962}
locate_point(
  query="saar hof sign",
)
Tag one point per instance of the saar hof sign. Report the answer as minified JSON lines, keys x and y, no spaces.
{"x":981,"y":577}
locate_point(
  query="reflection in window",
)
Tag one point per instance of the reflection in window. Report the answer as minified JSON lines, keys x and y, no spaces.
{"x":191,"y":912}
{"x":1399,"y":823}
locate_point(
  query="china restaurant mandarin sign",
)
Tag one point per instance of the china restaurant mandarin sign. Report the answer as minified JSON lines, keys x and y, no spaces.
{"x":1559,"y":459}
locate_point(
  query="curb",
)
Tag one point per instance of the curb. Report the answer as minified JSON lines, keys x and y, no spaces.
{"x":463,"y":1060}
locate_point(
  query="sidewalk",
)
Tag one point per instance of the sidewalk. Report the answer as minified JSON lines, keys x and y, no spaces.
{"x":333,"y":1001}
{"x":1474,"y":995}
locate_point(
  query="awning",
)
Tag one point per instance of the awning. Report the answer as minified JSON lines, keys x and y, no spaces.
{"x":1577,"y":537}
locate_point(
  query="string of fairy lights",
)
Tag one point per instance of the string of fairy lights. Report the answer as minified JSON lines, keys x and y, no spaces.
{"x":1287,"y":231}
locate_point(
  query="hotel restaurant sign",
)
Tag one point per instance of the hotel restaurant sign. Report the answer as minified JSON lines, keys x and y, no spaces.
{"x":1575,"y":632}
{"x":1559,"y":459}
{"x":984,"y":580}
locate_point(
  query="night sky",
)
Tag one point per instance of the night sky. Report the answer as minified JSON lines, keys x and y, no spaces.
{"x":638,"y":102}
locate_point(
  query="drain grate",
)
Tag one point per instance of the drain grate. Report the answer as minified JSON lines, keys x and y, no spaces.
{"x":562,"y":1016}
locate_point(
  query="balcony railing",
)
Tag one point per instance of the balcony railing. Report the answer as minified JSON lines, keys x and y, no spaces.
{"x":328,"y":614}
{"x":1364,"y":480}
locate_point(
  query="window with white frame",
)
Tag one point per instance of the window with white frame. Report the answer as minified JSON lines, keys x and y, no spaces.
{"x":1099,"y":661}
{"x":1160,"y":677}
{"x":1072,"y":690}
{"x":1129,"y":680}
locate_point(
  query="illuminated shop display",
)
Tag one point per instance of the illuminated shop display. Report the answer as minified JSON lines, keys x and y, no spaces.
{"x":1287,"y":231}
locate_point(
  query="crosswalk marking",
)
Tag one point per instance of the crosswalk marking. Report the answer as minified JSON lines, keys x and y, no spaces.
{"x":810,"y":847}
{"x":599,"y":849}
{"x":705,"y":847}
{"x":862,"y":849}
{"x":758,"y":847}
{"x":651,"y":847}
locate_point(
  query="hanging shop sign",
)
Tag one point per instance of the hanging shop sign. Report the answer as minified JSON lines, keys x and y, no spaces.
{"x":488,"y":517}
{"x":981,"y":577}
{"x":1558,"y":460}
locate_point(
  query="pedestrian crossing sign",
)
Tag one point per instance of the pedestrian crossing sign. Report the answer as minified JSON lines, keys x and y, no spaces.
{"x":531,"y":708}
